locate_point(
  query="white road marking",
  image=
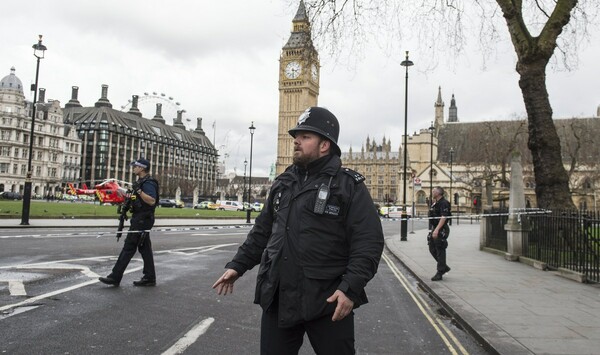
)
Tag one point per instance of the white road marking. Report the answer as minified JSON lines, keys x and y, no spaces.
{"x":17,"y":311}
{"x":57,"y":292}
{"x":95,"y":258}
{"x":84,"y":269}
{"x":195,"y":250}
{"x":16,"y":288}
{"x":190,"y":337}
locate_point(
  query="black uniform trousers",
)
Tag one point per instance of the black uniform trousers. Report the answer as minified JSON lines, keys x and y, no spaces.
{"x":326,"y":337}
{"x":437,"y":248}
{"x":131,"y":244}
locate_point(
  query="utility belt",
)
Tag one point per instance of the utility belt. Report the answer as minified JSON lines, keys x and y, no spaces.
{"x":443,"y":235}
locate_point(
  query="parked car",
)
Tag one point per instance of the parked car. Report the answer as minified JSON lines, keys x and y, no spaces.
{"x":257,"y":206}
{"x":8,"y":195}
{"x":170,"y":203}
{"x":230,"y":205}
{"x":206,"y":205}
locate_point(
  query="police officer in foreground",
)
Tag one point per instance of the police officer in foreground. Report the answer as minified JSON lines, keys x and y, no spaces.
{"x":318,"y":242}
{"x":144,"y":199}
{"x":439,"y":213}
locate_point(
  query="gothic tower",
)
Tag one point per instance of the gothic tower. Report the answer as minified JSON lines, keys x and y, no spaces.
{"x":439,"y":110}
{"x":453,"y":112}
{"x":298,"y":84}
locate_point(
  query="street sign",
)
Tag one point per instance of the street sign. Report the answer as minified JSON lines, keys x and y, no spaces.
{"x":417,"y":184}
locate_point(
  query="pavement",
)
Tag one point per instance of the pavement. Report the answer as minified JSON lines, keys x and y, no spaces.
{"x":510,"y":307}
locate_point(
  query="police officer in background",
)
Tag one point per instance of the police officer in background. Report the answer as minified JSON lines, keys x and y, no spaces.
{"x":143,"y":203}
{"x":318,"y":242}
{"x":439,"y":213}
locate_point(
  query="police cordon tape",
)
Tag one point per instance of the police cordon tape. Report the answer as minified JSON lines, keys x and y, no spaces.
{"x":518,"y":212}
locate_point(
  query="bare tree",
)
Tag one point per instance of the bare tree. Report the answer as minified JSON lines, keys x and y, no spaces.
{"x":446,"y":23}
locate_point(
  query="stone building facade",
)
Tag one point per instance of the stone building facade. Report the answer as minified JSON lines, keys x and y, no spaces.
{"x":56,"y":157}
{"x":471,"y":161}
{"x":183,"y":161}
{"x":381,"y":167}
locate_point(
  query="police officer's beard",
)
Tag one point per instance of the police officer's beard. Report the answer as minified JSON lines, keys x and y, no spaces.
{"x":302,"y":160}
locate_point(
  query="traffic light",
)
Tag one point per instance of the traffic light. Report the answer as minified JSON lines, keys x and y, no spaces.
{"x":475,"y":201}
{"x":456,"y":198}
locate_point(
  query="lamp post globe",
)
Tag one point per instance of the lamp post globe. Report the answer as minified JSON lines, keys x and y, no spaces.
{"x":248,"y":211}
{"x":38,"y":51}
{"x":403,"y":221}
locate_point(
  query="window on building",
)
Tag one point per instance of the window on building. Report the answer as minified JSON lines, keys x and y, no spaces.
{"x":15,"y":168}
{"x":5,"y":151}
{"x":23,"y":169}
{"x":16,"y":155}
{"x":38,"y":171}
{"x":4,"y":168}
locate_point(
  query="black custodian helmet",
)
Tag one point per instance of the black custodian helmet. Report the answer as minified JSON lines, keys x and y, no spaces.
{"x":321,"y":121}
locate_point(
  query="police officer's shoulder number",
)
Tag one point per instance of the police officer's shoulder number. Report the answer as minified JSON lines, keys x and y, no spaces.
{"x":358,"y":178}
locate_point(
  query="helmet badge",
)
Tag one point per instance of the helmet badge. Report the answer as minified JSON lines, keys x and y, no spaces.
{"x":303,"y":117}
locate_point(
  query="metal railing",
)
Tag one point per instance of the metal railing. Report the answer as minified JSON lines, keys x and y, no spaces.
{"x":566,"y":239}
{"x":496,"y":236}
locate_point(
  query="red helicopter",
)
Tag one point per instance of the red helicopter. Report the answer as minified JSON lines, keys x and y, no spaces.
{"x":108,"y":191}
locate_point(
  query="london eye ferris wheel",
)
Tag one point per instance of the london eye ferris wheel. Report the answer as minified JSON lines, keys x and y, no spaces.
{"x":147,"y":105}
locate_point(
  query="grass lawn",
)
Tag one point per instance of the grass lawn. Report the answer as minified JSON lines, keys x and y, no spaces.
{"x":43,"y":209}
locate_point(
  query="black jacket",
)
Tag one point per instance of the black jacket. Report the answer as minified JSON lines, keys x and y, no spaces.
{"x":437,"y":210}
{"x":304,"y":257}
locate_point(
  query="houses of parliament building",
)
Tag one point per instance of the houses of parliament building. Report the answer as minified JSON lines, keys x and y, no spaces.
{"x":470,"y":160}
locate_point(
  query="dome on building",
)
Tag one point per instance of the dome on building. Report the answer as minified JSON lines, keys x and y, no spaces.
{"x":11,"y":81}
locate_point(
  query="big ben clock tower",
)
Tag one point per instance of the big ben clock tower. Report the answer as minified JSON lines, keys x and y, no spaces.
{"x":298,"y":84}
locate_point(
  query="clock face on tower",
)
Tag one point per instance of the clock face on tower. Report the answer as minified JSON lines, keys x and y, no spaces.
{"x":293,"y":70}
{"x":314,"y":73}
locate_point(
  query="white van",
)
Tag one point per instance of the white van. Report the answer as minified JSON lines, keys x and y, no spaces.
{"x":230,"y":205}
{"x":396,"y":211}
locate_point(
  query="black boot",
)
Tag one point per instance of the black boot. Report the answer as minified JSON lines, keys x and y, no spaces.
{"x":144,"y":282}
{"x":437,"y":277}
{"x":109,"y":281}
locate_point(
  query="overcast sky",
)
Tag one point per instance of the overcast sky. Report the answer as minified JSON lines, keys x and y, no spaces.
{"x":220,"y":61}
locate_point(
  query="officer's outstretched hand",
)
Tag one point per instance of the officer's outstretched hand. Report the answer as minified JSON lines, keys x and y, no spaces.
{"x":224,"y":284}
{"x":344,"y":305}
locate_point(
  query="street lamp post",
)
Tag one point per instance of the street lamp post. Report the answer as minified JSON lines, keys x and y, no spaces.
{"x":403,"y":221}
{"x":38,"y":52}
{"x":251,"y":128}
{"x":244,"y":185}
{"x":450,"y":196}
{"x":432,"y":130}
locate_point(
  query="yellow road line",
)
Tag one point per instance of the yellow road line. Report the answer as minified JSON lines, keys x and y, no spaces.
{"x":435,"y":322}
